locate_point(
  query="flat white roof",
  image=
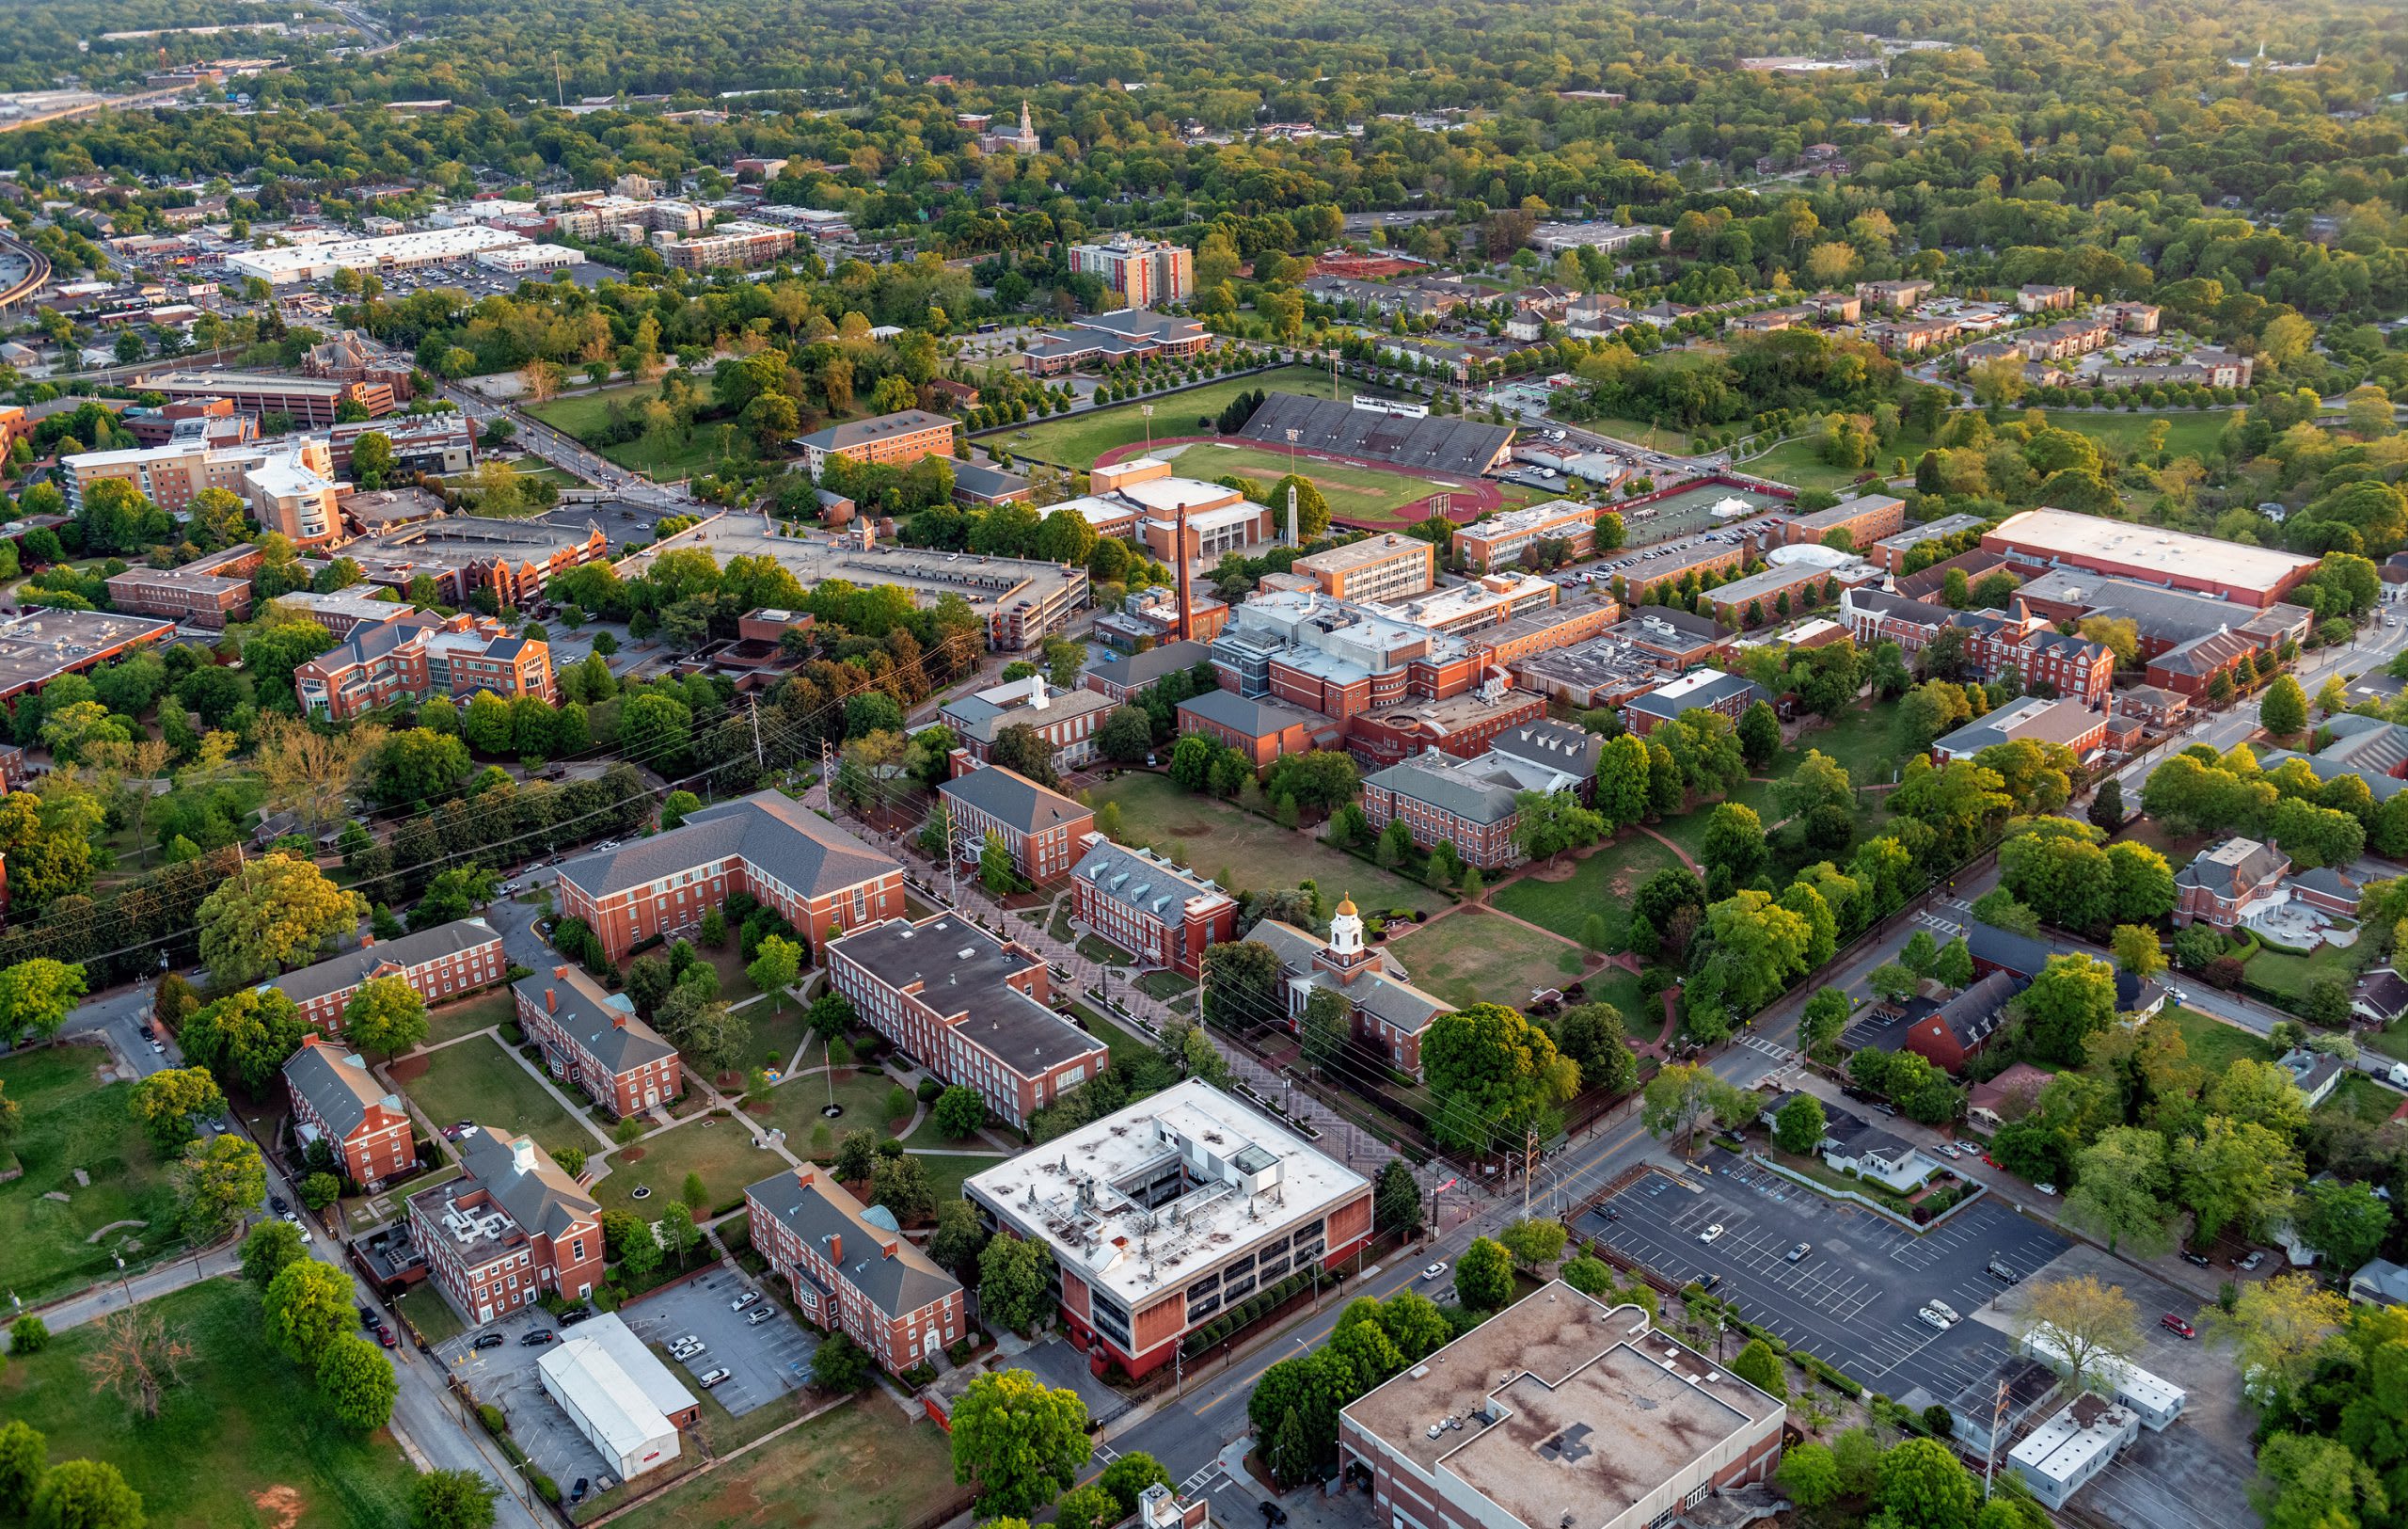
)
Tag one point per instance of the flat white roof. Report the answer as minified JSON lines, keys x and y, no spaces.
{"x":617,"y":1406}
{"x":2150,"y":548}
{"x":1097,"y":510}
{"x":362,"y":254}
{"x":1531,"y":517}
{"x":1170,"y":493}
{"x":1246,"y":1177}
{"x":2063,"y":1449}
{"x":1204,"y":522}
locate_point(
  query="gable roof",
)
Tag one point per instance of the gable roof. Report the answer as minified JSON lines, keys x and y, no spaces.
{"x":603,"y":1023}
{"x":2225,"y":869}
{"x":1560,"y":746}
{"x":342,"y":1092}
{"x":1144,"y":668}
{"x":1010,"y":797}
{"x":1974,"y":1016}
{"x":815,"y":1208}
{"x":1141,"y":880}
{"x":353,"y":967}
{"x":536,"y":1191}
{"x":1381,"y":994}
{"x":1245,"y":715}
{"x":768,"y":830}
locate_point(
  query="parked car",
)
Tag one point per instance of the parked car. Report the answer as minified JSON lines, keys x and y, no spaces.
{"x":571,"y":1318}
{"x":1272,"y":1513}
{"x":2175,"y":1324}
{"x":538,"y":1338}
{"x":743,"y":1300}
{"x":2256,"y":1257}
{"x":2001,"y":1269}
{"x":577,"y":1494}
{"x":367,"y":1317}
{"x":1933,"y":1318}
{"x":384,"y":1335}
{"x":488,"y":1339}
{"x":2046,"y":1188}
{"x":1434,"y":1269}
{"x":1798,"y":1252}
{"x":715,"y":1377}
{"x":760,"y":1315}
{"x":1945,"y":1310}
{"x":1708,"y":1281}
{"x":1945,"y":1149}
{"x":1710,"y":1233}
{"x":2199,"y":1260}
{"x":280,"y":1206}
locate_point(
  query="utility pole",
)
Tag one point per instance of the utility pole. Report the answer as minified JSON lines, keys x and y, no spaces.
{"x":760,"y":757}
{"x":1989,"y":1455}
{"x":1529,"y":1163}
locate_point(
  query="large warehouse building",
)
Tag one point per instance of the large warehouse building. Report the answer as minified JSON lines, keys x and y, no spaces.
{"x":2253,"y":576}
{"x":1176,"y":1209}
{"x":625,"y":1401}
{"x":1397,"y":435}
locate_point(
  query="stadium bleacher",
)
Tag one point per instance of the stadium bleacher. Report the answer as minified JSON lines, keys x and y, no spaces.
{"x":1425,"y":443}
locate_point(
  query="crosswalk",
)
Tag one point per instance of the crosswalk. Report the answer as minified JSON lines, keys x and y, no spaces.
{"x":1758,"y":1042}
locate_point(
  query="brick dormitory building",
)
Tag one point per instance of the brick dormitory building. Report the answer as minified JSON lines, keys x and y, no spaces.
{"x":439,"y":965}
{"x":972,"y":1008}
{"x":850,"y":1270}
{"x":593,"y":1037}
{"x":419,"y":655}
{"x":1144,"y":903}
{"x":336,"y":1099}
{"x":513,"y":1227}
{"x":1040,"y":828}
{"x":817,"y":876}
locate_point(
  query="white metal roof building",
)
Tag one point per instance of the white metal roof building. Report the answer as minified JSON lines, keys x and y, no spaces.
{"x":399,"y":252}
{"x":2060,"y":1455}
{"x":619,"y":1395}
{"x":2159,"y":1402}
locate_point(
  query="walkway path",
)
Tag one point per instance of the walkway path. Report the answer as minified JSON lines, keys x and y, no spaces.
{"x":1686,"y":858}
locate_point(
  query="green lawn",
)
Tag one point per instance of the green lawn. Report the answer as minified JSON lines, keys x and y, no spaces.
{"x":860,"y":1467}
{"x":1096,"y":948}
{"x":584,"y":414}
{"x":721,"y":1150}
{"x":1075,"y":440}
{"x":1689,"y":829}
{"x":245,"y":1442}
{"x":1355,"y":493}
{"x":1125,"y":1046}
{"x":948,"y":1168}
{"x":1664,"y":439}
{"x":2215,"y":1046}
{"x":778,"y":1029}
{"x":1257,"y":853}
{"x":1864,"y":742}
{"x":424,"y":1305}
{"x":68,"y":1122}
{"x":2191,"y":433}
{"x":1473,"y":956}
{"x":794,"y":1106}
{"x":1800,"y":463}
{"x":482,"y":1012}
{"x":2292,"y":976}
{"x":481,"y":1081}
{"x":2360,"y":1098}
{"x":1601,"y":884}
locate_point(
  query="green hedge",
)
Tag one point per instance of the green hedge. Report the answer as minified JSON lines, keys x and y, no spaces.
{"x":1830,"y":1377}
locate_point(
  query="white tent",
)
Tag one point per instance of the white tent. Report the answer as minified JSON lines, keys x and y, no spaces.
{"x":622,"y":1413}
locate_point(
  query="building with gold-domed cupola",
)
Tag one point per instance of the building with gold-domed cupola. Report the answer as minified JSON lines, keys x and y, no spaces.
{"x":1383,"y":1008}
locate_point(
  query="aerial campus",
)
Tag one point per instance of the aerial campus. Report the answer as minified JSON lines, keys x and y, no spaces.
{"x":1421,"y":768}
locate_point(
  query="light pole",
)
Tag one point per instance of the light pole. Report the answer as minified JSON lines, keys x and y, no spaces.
{"x":1146,"y":411}
{"x":1291,"y":434}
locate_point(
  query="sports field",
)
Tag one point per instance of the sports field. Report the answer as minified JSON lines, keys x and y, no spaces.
{"x":1076,"y":440}
{"x":1355,"y":493}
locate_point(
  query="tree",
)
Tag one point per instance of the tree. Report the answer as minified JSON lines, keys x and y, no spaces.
{"x":1923,"y":1483}
{"x":1014,"y":1278}
{"x":273,"y":913}
{"x":267,"y":1248}
{"x":2135,"y":949}
{"x":1759,"y":735}
{"x":2312,"y":1483}
{"x":1126,"y":735}
{"x":452,"y":1499}
{"x":2278,"y":1328}
{"x":385,"y":1014}
{"x":2233,"y":1171}
{"x":138,"y":1356}
{"x":2283,"y":709}
{"x":996,"y":871}
{"x":1827,"y":1013}
{"x":421,"y":764}
{"x":1797,"y":1127}
{"x":1534,"y":1241}
{"x":1327,"y":1024}
{"x":1592,"y":1036}
{"x":1021,"y":1443}
{"x":1087,"y":1507}
{"x":2082,"y":1325}
{"x":2107,"y":807}
{"x":840,"y":1366}
{"x":217,"y":1181}
{"x":1493,"y":1074}
{"x":244,"y":1036}
{"x":167,"y":1103}
{"x":1679,"y":1097}
{"x":36,"y":997}
{"x":85,"y":1495}
{"x":2120,"y":1190}
{"x":358,"y":1382}
{"x":1243,"y":984}
{"x":1547,"y":824}
{"x":2070,"y":1000}
{"x":2345,"y":1222}
{"x":1128,"y":1477}
{"x":1758,"y":1365}
{"x":1808,"y":1475}
{"x":957,"y":1240}
{"x":25,"y":1454}
{"x":776,"y":967}
{"x":1734,"y":840}
{"x":454,"y":894}
{"x":306,"y":1307}
{"x":1484,"y":1276}
{"x":1396,"y":1200}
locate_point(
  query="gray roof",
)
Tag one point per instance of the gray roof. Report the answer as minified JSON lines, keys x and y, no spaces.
{"x":2366,"y":744}
{"x":2326,"y":880}
{"x":1974,"y":1016}
{"x":859,"y":432}
{"x":978,"y":479}
{"x":1437,"y":442}
{"x":1242,"y":715}
{"x":822,"y":1209}
{"x":1011,"y":797}
{"x":1559,"y":745}
{"x":1460,"y":788}
{"x":539,"y":1195}
{"x":1141,"y":880}
{"x":1855,"y":1137}
{"x":1141,"y":669}
{"x":2245,"y":862}
{"x":604,"y":1024}
{"x":353,"y":967}
{"x":2158,"y":615}
{"x":2381,"y":787}
{"x":1381,"y":993}
{"x":2384,"y":994}
{"x":768,"y":829}
{"x":960,"y":970}
{"x":337,"y":1086}
{"x":1702,"y":696}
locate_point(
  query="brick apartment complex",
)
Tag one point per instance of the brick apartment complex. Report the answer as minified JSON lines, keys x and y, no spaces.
{"x":1380,"y":568}
{"x":1067,"y":721}
{"x":851,"y":1274}
{"x":738,"y":242}
{"x":512,"y":1228}
{"x":288,"y":483}
{"x":438,"y":964}
{"x":894,"y":439}
{"x":1995,"y":641}
{"x":1574,"y":1412}
{"x":972,"y":1008}
{"x":207,"y":592}
{"x":591,"y":1037}
{"x":1499,"y":541}
{"x":1867,"y":520}
{"x":1147,"y":905}
{"x":1171,"y":1212}
{"x":310,"y":403}
{"x":1261,"y":729}
{"x":1040,"y":828}
{"x":1125,"y":677}
{"x":2251,"y":576}
{"x":1145,"y":271}
{"x":436,"y":443}
{"x":421,"y":655}
{"x":819,"y":877}
{"x":336,"y":1099}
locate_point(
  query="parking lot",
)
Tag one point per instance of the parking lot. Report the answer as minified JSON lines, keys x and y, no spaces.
{"x":769,"y":1359}
{"x":507,"y":1377}
{"x":1851,"y":1299}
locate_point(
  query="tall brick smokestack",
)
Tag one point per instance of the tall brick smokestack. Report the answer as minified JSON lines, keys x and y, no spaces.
{"x":1179,"y":552}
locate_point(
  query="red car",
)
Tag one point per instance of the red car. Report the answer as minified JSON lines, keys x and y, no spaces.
{"x":2174,"y":1324}
{"x":384,"y":1335}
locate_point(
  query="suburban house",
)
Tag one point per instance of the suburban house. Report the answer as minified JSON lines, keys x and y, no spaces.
{"x":852,"y":1270}
{"x":337,"y":1099}
{"x":1166,"y":916}
{"x":591,"y":1037}
{"x":438,"y":964}
{"x":1954,"y":1032}
{"x":1040,"y":829}
{"x":2383,"y":996}
{"x":2315,"y":1074}
{"x":2227,"y":880}
{"x":2015,"y":1089}
{"x":819,"y":877}
{"x":512,"y":1228}
{"x":1385,"y":1010}
{"x":1854,"y":1145}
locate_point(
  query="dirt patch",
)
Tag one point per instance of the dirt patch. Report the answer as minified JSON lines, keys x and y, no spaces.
{"x":281,"y":1505}
{"x":1625,"y":881}
{"x":412,"y":1066}
{"x":1191,"y":830}
{"x":756,"y":1106}
{"x":630,"y":1155}
{"x":1560,"y":870}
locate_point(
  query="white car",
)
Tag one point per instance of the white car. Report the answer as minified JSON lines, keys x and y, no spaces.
{"x":1945,"y":1149}
{"x":1710,"y":1233}
{"x":1434,"y":1269}
{"x":743,"y":1300}
{"x":2046,"y":1188}
{"x":763,"y":1314}
{"x":1946,"y":1310}
{"x":1933,"y":1318}
{"x":715,"y":1377}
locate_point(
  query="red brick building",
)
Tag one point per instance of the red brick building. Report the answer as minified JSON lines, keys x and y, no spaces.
{"x":1261,"y":729}
{"x":1994,"y":642}
{"x":1867,"y":520}
{"x":895,"y":440}
{"x":421,"y":655}
{"x":2252,"y":576}
{"x":1040,"y":829}
{"x":439,"y":965}
{"x":974,"y":1009}
{"x":512,"y":1229}
{"x":2227,"y":880}
{"x":1147,"y":905}
{"x":591,"y":1037}
{"x":1960,"y":1027}
{"x":853,"y":1274}
{"x":819,"y":877}
{"x":336,"y":1099}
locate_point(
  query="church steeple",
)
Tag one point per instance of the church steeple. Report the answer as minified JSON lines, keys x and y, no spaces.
{"x":1027,"y":129}
{"x":1345,"y":956}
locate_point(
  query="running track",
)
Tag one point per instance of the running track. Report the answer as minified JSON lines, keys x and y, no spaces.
{"x":1472,"y":498}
